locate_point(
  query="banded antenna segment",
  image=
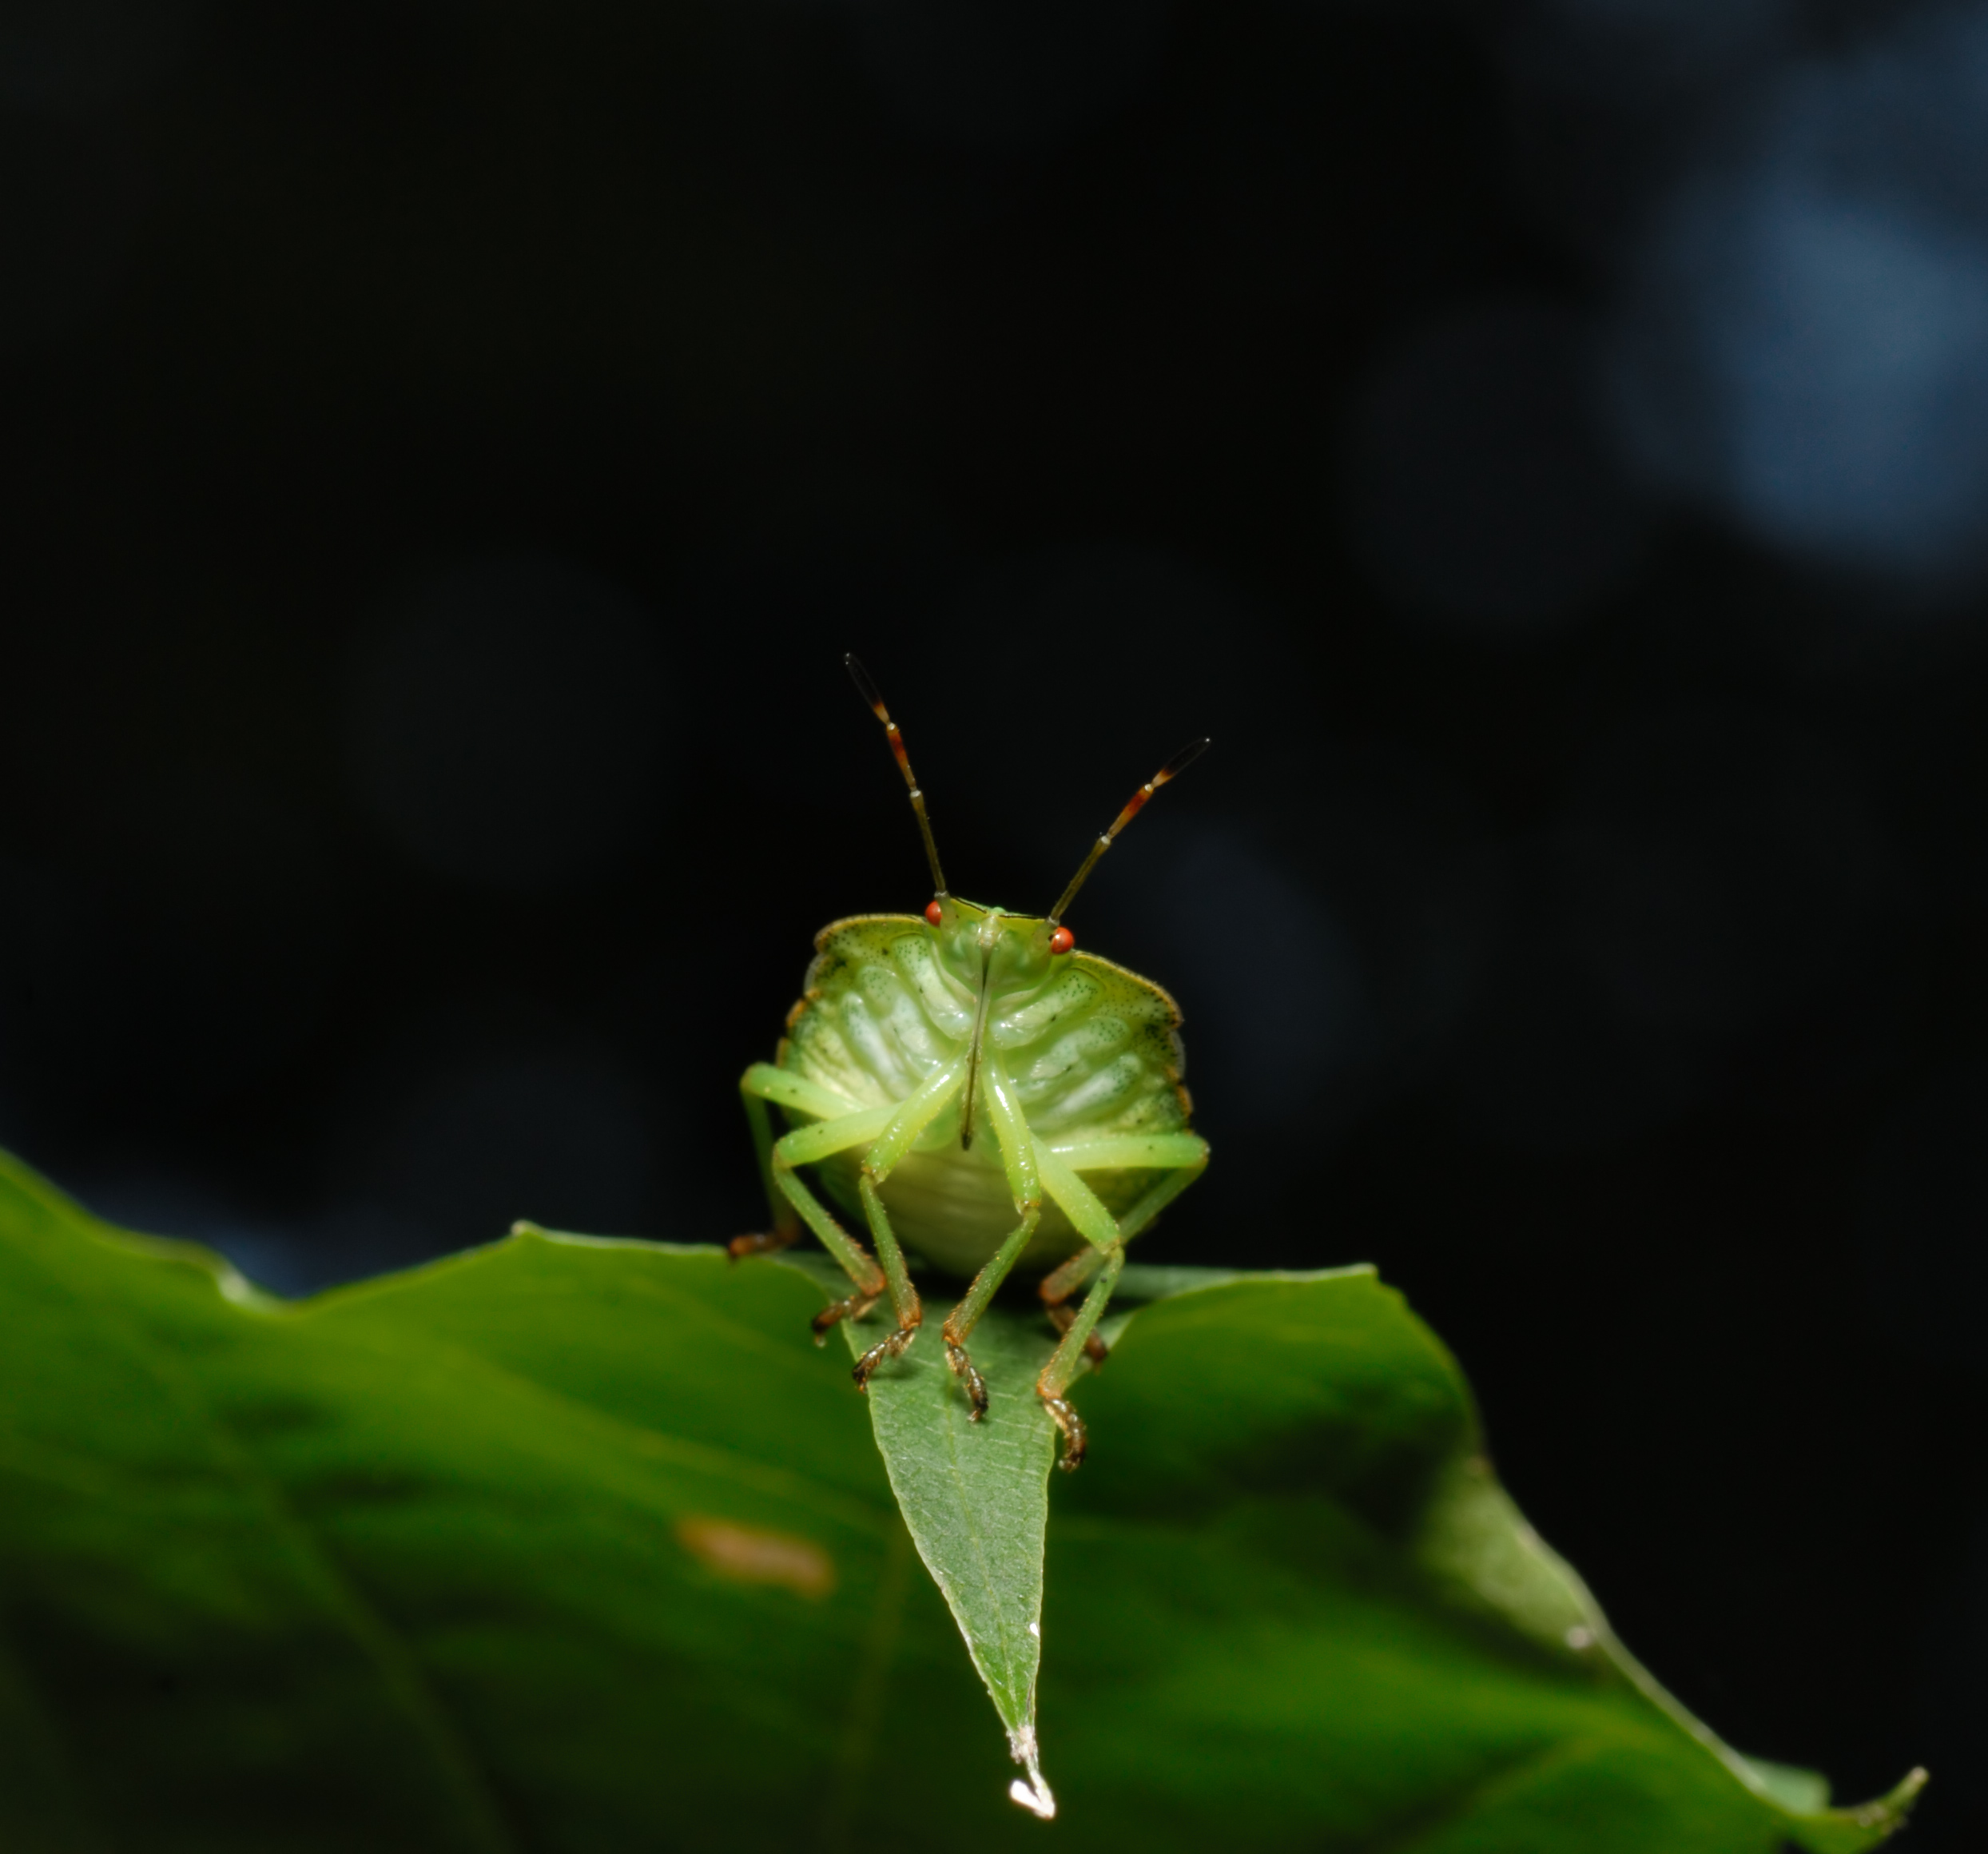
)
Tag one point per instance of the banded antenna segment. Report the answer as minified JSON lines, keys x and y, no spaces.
{"x":867,"y":689}
{"x":1173,"y":769}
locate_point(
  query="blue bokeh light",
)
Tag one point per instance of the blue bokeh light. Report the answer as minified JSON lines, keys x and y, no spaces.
{"x":1806,"y":346}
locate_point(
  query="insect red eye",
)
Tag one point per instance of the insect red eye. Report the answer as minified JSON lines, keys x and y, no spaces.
{"x":934,"y":913}
{"x":1062,"y":940}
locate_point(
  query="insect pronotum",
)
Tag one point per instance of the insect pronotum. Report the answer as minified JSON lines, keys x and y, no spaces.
{"x":979,"y":1093}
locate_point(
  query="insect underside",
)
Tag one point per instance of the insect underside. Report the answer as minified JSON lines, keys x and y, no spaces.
{"x":979,"y":1094}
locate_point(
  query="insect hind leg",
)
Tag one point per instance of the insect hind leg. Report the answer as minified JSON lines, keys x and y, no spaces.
{"x":850,"y":1307}
{"x":786,"y":1221}
{"x":1062,"y":1316}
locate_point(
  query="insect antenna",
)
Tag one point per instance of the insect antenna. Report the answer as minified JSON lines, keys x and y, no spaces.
{"x":1173,"y":769}
{"x":867,"y":690}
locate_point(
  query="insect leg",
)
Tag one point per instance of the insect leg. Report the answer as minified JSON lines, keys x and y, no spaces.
{"x":904,"y":1296}
{"x":805,"y":1146}
{"x":918,"y":1111}
{"x":787,"y":1225}
{"x":1180,"y":1158}
{"x":1094,"y":1222}
{"x":762,"y":1083}
{"x":1063,"y":1363}
{"x":1018,"y":1149}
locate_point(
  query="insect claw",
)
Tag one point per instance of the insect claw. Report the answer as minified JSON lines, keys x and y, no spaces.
{"x":1075,"y":1439}
{"x":853,"y":1307}
{"x":963,"y":1369}
{"x":892,"y":1347}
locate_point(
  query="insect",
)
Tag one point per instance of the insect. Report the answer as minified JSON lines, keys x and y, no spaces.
{"x":977,"y":1091}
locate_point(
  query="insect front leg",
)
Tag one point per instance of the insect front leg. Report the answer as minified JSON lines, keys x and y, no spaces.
{"x":894,"y":1141}
{"x":1018,"y":1149}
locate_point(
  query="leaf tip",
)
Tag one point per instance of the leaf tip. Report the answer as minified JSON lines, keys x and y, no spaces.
{"x":1032,"y":1792}
{"x":1891,"y":1810}
{"x":1040,"y":1800}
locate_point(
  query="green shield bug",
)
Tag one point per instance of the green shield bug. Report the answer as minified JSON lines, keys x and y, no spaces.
{"x":974,"y":1089}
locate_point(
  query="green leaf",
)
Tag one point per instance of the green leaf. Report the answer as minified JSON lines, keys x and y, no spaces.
{"x":1311,"y":1407}
{"x":566,"y":1545}
{"x":1309,"y":1448}
{"x":976,"y":1497}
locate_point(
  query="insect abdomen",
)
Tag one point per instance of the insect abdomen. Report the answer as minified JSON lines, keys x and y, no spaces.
{"x":952,"y":1209}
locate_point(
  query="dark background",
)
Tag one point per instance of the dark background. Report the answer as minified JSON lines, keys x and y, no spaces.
{"x":1545,"y":445}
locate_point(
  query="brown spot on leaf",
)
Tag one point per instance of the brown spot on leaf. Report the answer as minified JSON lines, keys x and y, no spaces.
{"x":751,"y":1555}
